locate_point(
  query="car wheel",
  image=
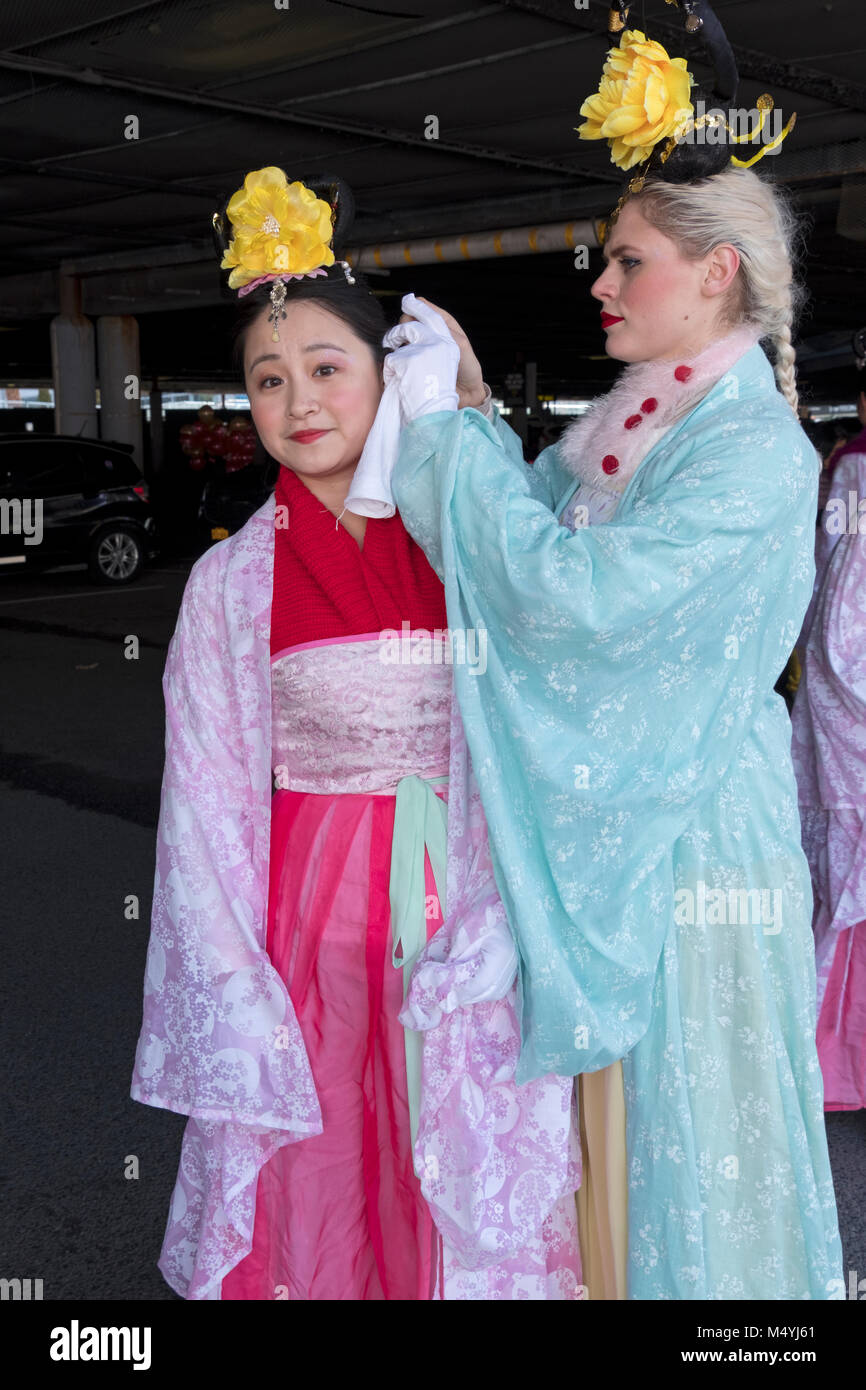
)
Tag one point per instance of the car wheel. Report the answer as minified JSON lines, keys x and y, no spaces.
{"x":116,"y":556}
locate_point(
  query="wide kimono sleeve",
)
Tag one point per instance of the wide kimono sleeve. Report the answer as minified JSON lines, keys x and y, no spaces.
{"x":545,"y":481}
{"x":843,"y":603}
{"x":546,"y":478}
{"x":827,"y":532}
{"x":625,"y":667}
{"x":840,"y":586}
{"x":219,"y":1039}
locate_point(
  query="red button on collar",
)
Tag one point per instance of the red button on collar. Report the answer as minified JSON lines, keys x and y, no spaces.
{"x":649,"y":405}
{"x":682,"y":373}
{"x":610,"y":463}
{"x":633,"y":421}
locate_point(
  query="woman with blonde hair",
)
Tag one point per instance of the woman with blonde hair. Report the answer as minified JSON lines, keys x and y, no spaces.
{"x":641,"y":588}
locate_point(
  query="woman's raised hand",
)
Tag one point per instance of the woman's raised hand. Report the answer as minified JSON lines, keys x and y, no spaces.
{"x":470,"y":380}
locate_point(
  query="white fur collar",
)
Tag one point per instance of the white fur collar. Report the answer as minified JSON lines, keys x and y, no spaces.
{"x":605,"y":446}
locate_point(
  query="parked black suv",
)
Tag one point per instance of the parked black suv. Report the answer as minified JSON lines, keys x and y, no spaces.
{"x":65,"y":499}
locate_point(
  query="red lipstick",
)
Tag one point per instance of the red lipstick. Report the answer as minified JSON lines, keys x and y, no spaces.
{"x":608,"y":319}
{"x":307,"y":436}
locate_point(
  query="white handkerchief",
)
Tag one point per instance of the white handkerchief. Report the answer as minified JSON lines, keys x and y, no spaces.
{"x":370,"y":490}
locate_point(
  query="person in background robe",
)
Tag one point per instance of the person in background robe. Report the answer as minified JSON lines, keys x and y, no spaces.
{"x":301,"y":865}
{"x":829,"y":748}
{"x":642,"y":585}
{"x":844,"y":445}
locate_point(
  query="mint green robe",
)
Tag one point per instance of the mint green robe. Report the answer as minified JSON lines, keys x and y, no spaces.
{"x":634,"y":766}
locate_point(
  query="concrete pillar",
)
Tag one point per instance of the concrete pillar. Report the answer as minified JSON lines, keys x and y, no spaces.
{"x":73,"y":363}
{"x":120,"y":381}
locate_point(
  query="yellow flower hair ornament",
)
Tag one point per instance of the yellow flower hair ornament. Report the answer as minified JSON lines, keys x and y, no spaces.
{"x":282,"y":232}
{"x":645,"y":110}
{"x":642,"y":98}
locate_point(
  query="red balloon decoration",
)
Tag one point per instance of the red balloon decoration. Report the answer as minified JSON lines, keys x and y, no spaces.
{"x":219,"y":438}
{"x":209,"y":440}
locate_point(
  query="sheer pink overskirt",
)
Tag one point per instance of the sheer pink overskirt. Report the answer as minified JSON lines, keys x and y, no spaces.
{"x":842,"y":1021}
{"x":340,"y":1215}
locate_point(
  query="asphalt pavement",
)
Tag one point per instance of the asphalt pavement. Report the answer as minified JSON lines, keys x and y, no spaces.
{"x":81,"y":752}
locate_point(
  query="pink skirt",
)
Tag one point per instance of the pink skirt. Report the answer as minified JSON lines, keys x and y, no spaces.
{"x":340,"y":1215}
{"x":842,"y":1023}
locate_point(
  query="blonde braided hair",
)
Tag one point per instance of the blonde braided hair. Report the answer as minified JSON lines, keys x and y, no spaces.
{"x":739,"y":207}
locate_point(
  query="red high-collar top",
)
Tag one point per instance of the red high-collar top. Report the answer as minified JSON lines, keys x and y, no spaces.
{"x":326,"y":585}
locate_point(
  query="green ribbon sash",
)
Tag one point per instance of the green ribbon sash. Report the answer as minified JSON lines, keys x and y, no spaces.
{"x":420,"y":822}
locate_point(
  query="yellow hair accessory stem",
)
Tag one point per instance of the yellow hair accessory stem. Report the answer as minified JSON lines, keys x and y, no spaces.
{"x":765,"y":106}
{"x":765,"y":149}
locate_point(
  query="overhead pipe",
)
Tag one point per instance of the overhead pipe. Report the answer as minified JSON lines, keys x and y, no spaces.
{"x":476,"y":246}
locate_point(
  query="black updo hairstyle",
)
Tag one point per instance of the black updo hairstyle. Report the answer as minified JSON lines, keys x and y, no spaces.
{"x":355,"y":304}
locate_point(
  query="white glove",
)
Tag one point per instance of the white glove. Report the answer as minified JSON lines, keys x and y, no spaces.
{"x":420,"y":376}
{"x":424,"y":361}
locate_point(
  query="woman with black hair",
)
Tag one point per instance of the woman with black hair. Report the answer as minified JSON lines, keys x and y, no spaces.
{"x":301,"y":862}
